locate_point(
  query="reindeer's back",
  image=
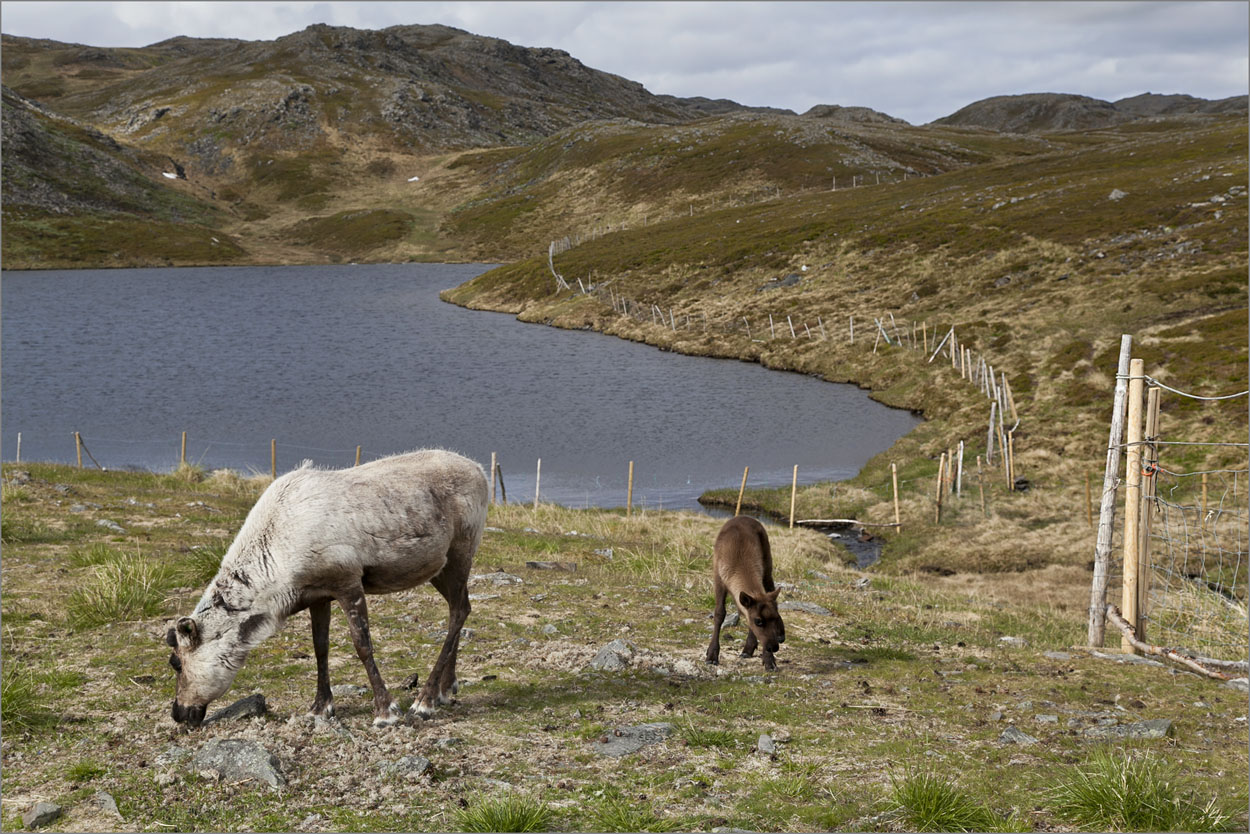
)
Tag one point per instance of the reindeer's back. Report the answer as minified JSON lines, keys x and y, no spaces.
{"x":742,"y":548}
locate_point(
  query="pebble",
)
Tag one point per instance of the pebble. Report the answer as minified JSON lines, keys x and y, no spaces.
{"x":765,"y":745}
{"x":1015,"y":642}
{"x":253,"y":706}
{"x":805,"y":607}
{"x":496,"y":578}
{"x":106,"y":803}
{"x":1012,"y":735}
{"x":1156,"y":728}
{"x":626,"y":740}
{"x":111,"y":526}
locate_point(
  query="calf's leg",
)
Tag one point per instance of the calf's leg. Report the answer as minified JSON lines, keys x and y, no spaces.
{"x":385,"y":710}
{"x":320,"y":614}
{"x":719,"y":592}
{"x":748,"y":648}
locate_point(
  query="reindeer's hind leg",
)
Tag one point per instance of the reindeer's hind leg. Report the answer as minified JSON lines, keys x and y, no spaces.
{"x":719,"y":592}
{"x":320,"y":614}
{"x":385,"y":710}
{"x":453,"y":584}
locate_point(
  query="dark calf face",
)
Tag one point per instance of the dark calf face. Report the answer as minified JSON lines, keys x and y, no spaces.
{"x":191,"y":716}
{"x":764,"y":620}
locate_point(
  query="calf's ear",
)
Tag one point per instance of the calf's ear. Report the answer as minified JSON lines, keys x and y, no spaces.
{"x":746,"y":599}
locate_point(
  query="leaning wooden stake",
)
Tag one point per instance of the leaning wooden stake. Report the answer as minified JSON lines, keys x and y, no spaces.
{"x":794,"y":491}
{"x":741,"y":490}
{"x":182,"y":457}
{"x":894,"y":477}
{"x":78,"y":448}
{"x":981,"y":485}
{"x":1130,"y":638}
{"x":503,"y":488}
{"x":357,"y":456}
{"x":1106,"y":515}
{"x":937,"y":519}
{"x":1132,"y":501}
{"x":1149,"y":470}
{"x":629,"y":492}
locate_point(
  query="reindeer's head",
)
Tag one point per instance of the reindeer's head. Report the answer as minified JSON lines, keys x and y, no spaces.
{"x":209,"y":649}
{"x":763,"y":619}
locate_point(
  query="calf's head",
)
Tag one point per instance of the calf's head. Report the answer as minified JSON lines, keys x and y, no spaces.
{"x":209,"y":649}
{"x":763,"y":619}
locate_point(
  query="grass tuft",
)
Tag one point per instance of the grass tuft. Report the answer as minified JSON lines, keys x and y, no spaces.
{"x":615,"y":814}
{"x":1117,"y":791}
{"x":924,"y":801}
{"x":20,"y":707}
{"x":126,"y":588}
{"x":509,"y":812}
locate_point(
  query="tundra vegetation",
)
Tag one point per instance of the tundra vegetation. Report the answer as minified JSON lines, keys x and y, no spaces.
{"x":887,"y":714}
{"x":901,"y":709}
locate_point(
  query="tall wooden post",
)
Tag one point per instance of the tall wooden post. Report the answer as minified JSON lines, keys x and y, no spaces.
{"x":1106,"y":514}
{"x":19,"y":447}
{"x":1011,"y":461}
{"x":1149,"y":471}
{"x":742,"y":489}
{"x":941,"y":474}
{"x":273,"y":457}
{"x":629,"y":492}
{"x":1204,"y":499}
{"x":538,"y":476}
{"x":794,"y":492}
{"x":898,"y":523}
{"x":981,"y":485}
{"x":492,"y":479}
{"x":1132,"y":501}
{"x":78,"y":448}
{"x":357,"y":456}
{"x":182,"y":458}
{"x":1089,"y":509}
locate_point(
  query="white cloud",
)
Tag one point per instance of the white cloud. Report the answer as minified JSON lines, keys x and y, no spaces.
{"x":917,"y":61}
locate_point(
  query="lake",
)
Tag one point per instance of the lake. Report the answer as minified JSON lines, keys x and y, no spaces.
{"x":325,"y":358}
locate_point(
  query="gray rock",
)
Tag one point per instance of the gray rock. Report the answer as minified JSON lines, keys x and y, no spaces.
{"x":805,"y":607}
{"x":237,"y":760}
{"x":482,"y":597}
{"x":496,"y":578}
{"x":493,"y":529}
{"x":626,"y":740}
{"x":1239,"y":683}
{"x":1057,"y":655}
{"x":1014,"y":642}
{"x":550,"y":629}
{"x":106,"y":803}
{"x":765,"y":745}
{"x":447,"y":742}
{"x":1013,"y":735}
{"x":309,"y":821}
{"x":1127,"y":658}
{"x":1046,"y":719}
{"x":41,"y":814}
{"x":172,"y":757}
{"x":613,"y":657}
{"x":605,"y":552}
{"x":348,"y":690}
{"x":1155,"y":728}
{"x":823,"y":577}
{"x":731,"y":620}
{"x":408,"y":767}
{"x":1117,"y":194}
{"x":996,"y":715}
{"x":253,"y":706}
{"x":568,"y":567}
{"x":111,"y":526}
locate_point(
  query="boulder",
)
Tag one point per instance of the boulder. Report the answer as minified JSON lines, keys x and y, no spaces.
{"x":238,"y":760}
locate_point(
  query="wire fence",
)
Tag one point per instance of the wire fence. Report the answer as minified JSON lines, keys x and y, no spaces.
{"x":1181,"y":562}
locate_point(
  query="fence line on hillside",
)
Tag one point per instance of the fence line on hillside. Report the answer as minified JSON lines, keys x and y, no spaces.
{"x":1183,"y":560}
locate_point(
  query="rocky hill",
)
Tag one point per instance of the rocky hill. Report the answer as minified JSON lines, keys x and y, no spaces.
{"x":1041,"y":112}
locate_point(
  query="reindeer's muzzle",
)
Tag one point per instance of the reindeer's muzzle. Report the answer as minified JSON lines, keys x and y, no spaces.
{"x":191,"y":715}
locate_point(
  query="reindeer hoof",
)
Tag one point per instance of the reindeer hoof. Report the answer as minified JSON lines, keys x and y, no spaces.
{"x":326,"y":711}
{"x":712,"y":661}
{"x":423,"y":711}
{"x":390,"y":719}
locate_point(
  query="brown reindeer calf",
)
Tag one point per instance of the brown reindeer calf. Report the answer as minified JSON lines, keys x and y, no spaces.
{"x":742,"y":566}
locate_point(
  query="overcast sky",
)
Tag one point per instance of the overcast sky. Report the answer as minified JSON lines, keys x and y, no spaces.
{"x":914,"y":60}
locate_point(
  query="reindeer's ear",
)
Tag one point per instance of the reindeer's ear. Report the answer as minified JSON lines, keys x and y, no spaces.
{"x":771,"y":596}
{"x":170,"y":640}
{"x":189,"y":631}
{"x":746,"y":599}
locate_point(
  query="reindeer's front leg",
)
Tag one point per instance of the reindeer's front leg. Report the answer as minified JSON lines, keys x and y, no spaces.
{"x":719,"y":592}
{"x":320,"y":614}
{"x":385,"y":710}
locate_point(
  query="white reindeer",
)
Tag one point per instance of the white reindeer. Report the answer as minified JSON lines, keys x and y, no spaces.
{"x":317,"y":536}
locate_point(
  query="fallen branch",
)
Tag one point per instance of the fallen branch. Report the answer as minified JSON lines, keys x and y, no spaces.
{"x":824,"y":522}
{"x":1130,"y":634}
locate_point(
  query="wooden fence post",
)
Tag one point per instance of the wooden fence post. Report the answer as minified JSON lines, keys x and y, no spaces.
{"x":772,"y":332}
{"x":959,"y":473}
{"x":1011,"y":461}
{"x":492,"y":479}
{"x":182,"y":458}
{"x":1132,"y":501}
{"x":1149,"y":471}
{"x":538,"y":476}
{"x":937,"y":519}
{"x":357,"y":463}
{"x":742,"y":489}
{"x":989,"y":440}
{"x":981,"y":485}
{"x":78,"y":448}
{"x":503,"y":488}
{"x":1106,"y":514}
{"x":794,"y":491}
{"x":792,"y":336}
{"x":898,"y":524}
{"x":273,"y":457}
{"x":629,"y":492}
{"x":852,"y":330}
{"x":1204,"y":499}
{"x":19,"y":447}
